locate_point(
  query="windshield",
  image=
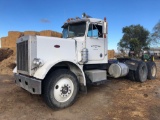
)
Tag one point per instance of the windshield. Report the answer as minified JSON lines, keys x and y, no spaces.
{"x":74,"y":30}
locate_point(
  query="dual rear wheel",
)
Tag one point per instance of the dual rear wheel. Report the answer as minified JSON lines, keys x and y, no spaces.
{"x":152,"y":70}
{"x":144,"y":71}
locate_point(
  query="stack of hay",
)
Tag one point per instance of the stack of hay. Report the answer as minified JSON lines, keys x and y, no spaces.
{"x":50,"y":33}
{"x":111,"y":54}
{"x":10,"y":40}
{"x":4,"y":42}
{"x":30,"y":33}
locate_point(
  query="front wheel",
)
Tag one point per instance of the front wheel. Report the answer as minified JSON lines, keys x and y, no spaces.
{"x":60,"y":89}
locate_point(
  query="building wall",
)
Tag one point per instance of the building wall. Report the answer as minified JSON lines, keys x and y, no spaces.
{"x":155,"y":51}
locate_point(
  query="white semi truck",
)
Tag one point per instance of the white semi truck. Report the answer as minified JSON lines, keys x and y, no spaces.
{"x":58,"y":68}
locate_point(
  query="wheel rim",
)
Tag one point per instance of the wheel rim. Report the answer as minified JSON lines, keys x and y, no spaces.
{"x":63,"y":90}
{"x":153,"y":71}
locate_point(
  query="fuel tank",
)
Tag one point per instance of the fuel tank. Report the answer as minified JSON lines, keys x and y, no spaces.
{"x":117,"y":70}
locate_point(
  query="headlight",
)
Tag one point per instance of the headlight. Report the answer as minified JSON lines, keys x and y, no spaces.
{"x":38,"y":62}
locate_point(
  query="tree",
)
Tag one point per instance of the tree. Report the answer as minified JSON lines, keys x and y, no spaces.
{"x":134,"y":37}
{"x":155,"y":36}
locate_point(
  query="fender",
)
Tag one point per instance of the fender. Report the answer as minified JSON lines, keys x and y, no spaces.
{"x":42,"y":71}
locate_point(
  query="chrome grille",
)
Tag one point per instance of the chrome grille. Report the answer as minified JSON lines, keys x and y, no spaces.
{"x":22,"y":56}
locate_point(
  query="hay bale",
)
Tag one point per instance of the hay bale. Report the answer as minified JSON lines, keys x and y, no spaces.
{"x":3,"y":42}
{"x":50,"y":33}
{"x":56,"y":34}
{"x":31,"y":33}
{"x":37,"y":33}
{"x":59,"y":35}
{"x":12,"y":42}
{"x":46,"y":33}
{"x":111,"y":54}
{"x":15,"y":34}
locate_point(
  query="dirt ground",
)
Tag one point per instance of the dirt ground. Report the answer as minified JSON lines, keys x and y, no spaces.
{"x":119,"y":99}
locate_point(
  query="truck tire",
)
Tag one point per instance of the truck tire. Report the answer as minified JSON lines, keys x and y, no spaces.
{"x":152,"y":70}
{"x":141,"y":72}
{"x":131,"y":75}
{"x":60,"y":89}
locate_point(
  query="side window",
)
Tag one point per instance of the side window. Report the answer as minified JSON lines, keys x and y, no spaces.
{"x":65,"y":33}
{"x":95,"y":31}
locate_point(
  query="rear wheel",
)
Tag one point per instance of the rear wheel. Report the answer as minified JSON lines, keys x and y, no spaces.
{"x":141,"y":72}
{"x":131,"y":75}
{"x":152,"y":70}
{"x":60,"y":89}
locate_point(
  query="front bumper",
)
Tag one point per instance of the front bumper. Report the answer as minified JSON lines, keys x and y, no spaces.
{"x":30,"y":84}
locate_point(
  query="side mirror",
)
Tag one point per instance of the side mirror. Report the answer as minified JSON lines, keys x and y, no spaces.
{"x":105,"y":28}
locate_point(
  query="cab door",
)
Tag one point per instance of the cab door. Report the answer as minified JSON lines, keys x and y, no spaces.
{"x":95,"y":43}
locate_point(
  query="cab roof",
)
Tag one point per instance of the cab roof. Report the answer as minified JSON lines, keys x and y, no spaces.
{"x":72,"y":21}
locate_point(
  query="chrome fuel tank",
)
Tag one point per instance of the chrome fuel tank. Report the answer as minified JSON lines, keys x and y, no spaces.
{"x":118,"y":70}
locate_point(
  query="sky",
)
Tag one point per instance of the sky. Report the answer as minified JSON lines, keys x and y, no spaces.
{"x":37,"y":15}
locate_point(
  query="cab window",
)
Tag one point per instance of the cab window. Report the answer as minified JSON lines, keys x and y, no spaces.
{"x":74,"y":30}
{"x":95,"y":31}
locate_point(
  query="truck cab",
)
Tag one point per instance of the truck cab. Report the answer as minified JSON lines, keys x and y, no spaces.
{"x":88,"y":34}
